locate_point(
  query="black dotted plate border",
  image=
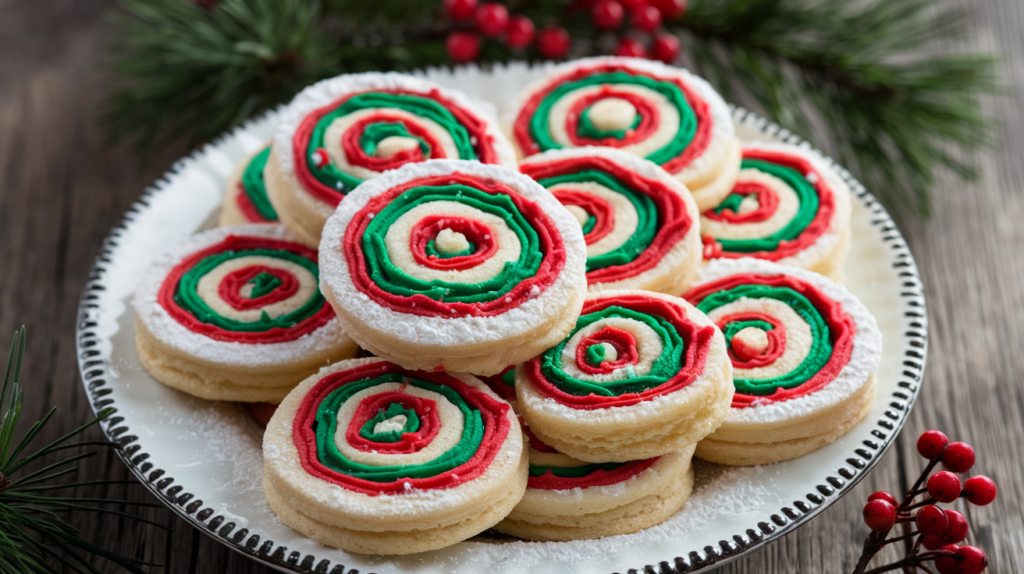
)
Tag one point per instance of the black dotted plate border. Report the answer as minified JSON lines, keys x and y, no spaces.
{"x":185,"y":504}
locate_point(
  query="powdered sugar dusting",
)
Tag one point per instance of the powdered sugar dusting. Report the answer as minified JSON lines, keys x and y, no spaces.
{"x":453,"y":331}
{"x":719,"y":492}
{"x":324,"y":92}
{"x":864,"y":360}
{"x":170,"y":332}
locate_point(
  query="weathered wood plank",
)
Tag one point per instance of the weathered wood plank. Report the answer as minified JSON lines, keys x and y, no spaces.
{"x":61,"y":191}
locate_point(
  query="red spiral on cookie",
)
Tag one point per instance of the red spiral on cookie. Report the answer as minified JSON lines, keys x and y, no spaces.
{"x":785,"y":204}
{"x":345,"y":130}
{"x":247,"y":289}
{"x":626,"y":348}
{"x":653,"y":111}
{"x":377,"y":428}
{"x":639,"y":223}
{"x":791,"y":333}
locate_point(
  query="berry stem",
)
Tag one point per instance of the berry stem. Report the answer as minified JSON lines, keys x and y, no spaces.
{"x":915,"y":490}
{"x":917,"y":544}
{"x":877,"y":540}
{"x":901,"y":537}
{"x":871,"y":547}
{"x":912,"y":561}
{"x":906,"y":527}
{"x":922,"y":503}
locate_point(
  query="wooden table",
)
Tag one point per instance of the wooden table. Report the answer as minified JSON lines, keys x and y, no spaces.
{"x":62,"y":189}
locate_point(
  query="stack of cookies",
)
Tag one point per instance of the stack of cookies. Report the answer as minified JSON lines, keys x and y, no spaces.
{"x":556,"y":311}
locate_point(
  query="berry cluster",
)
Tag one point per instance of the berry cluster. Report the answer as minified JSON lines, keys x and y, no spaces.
{"x":492,"y":20}
{"x":939,"y":531}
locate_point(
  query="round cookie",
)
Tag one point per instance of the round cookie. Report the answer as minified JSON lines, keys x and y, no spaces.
{"x":642,"y":374}
{"x":646,"y":108}
{"x":235,"y":314}
{"x":640,"y":224}
{"x":454,"y":265}
{"x":804,"y":352}
{"x":369,"y":457}
{"x":245,"y":195}
{"x":568,"y":499}
{"x":340,"y":132}
{"x":787,"y":206}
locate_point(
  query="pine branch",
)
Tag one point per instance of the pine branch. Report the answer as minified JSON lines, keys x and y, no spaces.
{"x":865,"y":77}
{"x":197,"y":72}
{"x":33,"y":536}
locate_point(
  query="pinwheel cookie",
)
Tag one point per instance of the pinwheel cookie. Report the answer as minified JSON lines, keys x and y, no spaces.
{"x":568,"y":499}
{"x":664,"y":114}
{"x":339,"y":132}
{"x":804,"y":352}
{"x":235,"y":314}
{"x":787,"y":206}
{"x":245,"y":196}
{"x":454,"y":265}
{"x":642,"y":374}
{"x":373,"y":458}
{"x":640,"y":224}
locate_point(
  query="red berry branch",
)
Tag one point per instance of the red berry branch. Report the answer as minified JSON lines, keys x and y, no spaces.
{"x":475,"y":23}
{"x":939,"y":531}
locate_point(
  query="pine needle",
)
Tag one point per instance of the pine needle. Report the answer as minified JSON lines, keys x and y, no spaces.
{"x":33,"y":536}
{"x":866,"y":80}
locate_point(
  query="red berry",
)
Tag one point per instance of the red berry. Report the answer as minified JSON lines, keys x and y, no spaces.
{"x":520,"y":32}
{"x":931,"y":520}
{"x":944,"y":486}
{"x":491,"y":19}
{"x":956,"y":530}
{"x":882,"y":495}
{"x":553,"y":42}
{"x":631,"y":48}
{"x":980,"y":490}
{"x":607,"y":14}
{"x":931,"y":443}
{"x":666,"y":48}
{"x":958,"y":457}
{"x":879,"y":515}
{"x":631,"y":5}
{"x":463,"y":46}
{"x":670,"y":9}
{"x":947,"y":564}
{"x":970,"y":560}
{"x":460,"y":9}
{"x":932,"y":542}
{"x":646,"y":18}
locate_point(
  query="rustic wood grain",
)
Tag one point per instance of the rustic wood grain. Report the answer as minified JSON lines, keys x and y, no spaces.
{"x":62,"y":189}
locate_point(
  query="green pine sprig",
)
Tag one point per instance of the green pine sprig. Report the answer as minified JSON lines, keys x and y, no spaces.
{"x":33,"y":536}
{"x":864,"y":80}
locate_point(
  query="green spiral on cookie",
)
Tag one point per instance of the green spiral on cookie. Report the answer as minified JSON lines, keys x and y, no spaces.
{"x":637,"y":231}
{"x":786,"y":337}
{"x":361,"y":135}
{"x":451,"y":246}
{"x":614,"y":105}
{"x":376,"y":428}
{"x":602,"y":356}
{"x":627,"y":347}
{"x":247,"y":289}
{"x":333,"y":458}
{"x":252,"y":199}
{"x":780,"y":205}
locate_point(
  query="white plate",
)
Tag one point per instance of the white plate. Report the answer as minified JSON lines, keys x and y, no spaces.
{"x":203,"y":459}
